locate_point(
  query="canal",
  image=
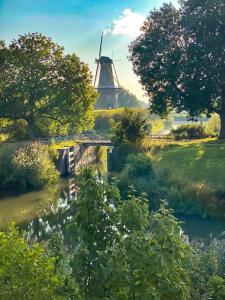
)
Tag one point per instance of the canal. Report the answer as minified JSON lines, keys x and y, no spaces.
{"x":44,"y":213}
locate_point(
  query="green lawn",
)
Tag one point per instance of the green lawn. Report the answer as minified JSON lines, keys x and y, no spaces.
{"x":199,"y":162}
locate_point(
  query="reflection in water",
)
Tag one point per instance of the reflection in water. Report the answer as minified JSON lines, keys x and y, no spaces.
{"x":54,"y":222}
{"x":23,"y":207}
{"x":199,"y":228}
{"x":46,"y":213}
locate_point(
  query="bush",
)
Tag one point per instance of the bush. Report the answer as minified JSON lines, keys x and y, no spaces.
{"x":132,"y":127}
{"x":189,"y":132}
{"x":26,"y":166}
{"x":213,"y":125}
{"x":206,"y":268}
{"x":119,"y":155}
{"x":187,"y":197}
{"x":103,"y":117}
{"x":26,"y":272}
{"x":138,"y":173}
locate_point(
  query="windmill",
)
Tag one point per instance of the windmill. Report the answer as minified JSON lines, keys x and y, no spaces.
{"x":108,"y":83}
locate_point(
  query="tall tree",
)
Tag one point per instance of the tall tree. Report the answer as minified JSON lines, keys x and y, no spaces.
{"x":180,"y":58}
{"x":94,"y":224}
{"x":37,"y":81}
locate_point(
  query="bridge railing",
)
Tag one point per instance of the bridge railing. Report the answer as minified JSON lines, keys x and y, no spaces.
{"x":76,"y":138}
{"x":79,"y":138}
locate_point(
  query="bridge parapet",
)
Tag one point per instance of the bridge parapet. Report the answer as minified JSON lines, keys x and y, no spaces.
{"x":79,"y":138}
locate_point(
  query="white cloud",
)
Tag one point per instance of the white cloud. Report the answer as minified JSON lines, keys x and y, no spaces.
{"x":128,"y":24}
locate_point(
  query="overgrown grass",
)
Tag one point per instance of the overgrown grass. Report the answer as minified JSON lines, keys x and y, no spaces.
{"x":197,"y":161}
{"x":189,"y":175}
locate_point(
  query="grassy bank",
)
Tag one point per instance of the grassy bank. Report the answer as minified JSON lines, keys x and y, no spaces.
{"x":196,"y":161}
{"x":188,"y":175}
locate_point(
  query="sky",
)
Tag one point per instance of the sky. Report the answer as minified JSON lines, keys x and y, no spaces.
{"x":77,"y":25}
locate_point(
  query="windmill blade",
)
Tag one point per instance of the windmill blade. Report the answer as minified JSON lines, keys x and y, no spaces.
{"x":96,"y":73}
{"x":100,"y":49}
{"x":116,"y":75}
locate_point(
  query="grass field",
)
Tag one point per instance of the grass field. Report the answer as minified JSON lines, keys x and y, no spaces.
{"x":197,"y":161}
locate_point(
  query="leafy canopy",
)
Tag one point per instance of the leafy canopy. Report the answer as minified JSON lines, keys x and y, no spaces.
{"x":180,"y":58}
{"x":38,"y":82}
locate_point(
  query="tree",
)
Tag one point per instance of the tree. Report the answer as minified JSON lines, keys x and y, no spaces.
{"x":132,"y":127}
{"x":38,"y":82}
{"x":94,"y":226}
{"x":180,"y":58}
{"x":122,"y":251}
{"x":127,"y":99}
{"x":149,"y":262}
{"x":25,"y":272}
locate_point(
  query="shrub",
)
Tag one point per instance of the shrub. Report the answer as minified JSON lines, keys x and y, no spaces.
{"x":26,"y":166}
{"x":213,"y":125}
{"x":138,"y":173}
{"x":186,"y":197}
{"x":119,"y":155}
{"x":189,"y":132}
{"x":132,"y":127}
{"x":103,"y":117}
{"x":26,"y":272}
{"x":206,"y":268}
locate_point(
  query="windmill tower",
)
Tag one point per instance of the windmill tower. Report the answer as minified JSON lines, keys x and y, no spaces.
{"x":108,"y":83}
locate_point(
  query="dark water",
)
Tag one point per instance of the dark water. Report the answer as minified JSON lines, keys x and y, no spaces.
{"x":199,"y":228}
{"x":46,"y":212}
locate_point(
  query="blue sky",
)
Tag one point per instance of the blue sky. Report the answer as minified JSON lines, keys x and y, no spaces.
{"x":77,"y":25}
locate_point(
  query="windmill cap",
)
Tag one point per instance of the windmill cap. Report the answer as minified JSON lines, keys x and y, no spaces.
{"x":105,"y":60}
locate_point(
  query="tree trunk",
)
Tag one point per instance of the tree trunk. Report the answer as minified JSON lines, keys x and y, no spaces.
{"x":31,"y":127}
{"x":222,"y":128}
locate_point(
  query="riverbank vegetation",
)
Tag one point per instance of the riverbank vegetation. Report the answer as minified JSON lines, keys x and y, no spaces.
{"x":26,"y":166}
{"x":116,"y":250}
{"x":189,"y":174}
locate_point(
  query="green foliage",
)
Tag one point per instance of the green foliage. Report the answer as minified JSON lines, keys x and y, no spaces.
{"x":177,"y":60}
{"x":189,"y":132}
{"x":26,"y":272}
{"x":43,"y":87}
{"x":132,"y":127}
{"x":26,"y":166}
{"x":206,"y":268}
{"x":120,"y":251}
{"x":119,"y":155}
{"x":127,"y":99}
{"x":94,"y":225}
{"x":138,"y":173}
{"x":103,"y":117}
{"x":213,"y":125}
{"x":190,"y":175}
{"x":116,"y":257}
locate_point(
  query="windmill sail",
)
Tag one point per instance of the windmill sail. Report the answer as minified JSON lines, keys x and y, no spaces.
{"x":108,"y":84}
